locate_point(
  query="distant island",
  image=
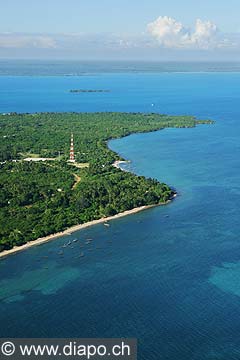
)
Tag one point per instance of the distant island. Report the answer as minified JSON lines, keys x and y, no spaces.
{"x":88,"y":91}
{"x":40,"y":198}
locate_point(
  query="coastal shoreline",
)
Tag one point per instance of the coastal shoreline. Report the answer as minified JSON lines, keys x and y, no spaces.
{"x":117,"y":131}
{"x":74,"y":228}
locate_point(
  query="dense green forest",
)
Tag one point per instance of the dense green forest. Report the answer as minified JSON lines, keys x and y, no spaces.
{"x":40,"y":198}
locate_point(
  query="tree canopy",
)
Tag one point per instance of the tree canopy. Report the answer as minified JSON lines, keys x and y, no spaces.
{"x":39,"y":198}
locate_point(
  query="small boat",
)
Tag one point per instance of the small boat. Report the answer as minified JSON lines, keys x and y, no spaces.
{"x":88,"y":242}
{"x":69,"y":243}
{"x":106,"y":224}
{"x":75,"y":240}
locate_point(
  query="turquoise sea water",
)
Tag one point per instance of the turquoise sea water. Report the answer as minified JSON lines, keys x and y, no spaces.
{"x":169,"y":276}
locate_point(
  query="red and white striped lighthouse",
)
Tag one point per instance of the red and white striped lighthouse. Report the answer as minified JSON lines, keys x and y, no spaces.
{"x":72,"y":157}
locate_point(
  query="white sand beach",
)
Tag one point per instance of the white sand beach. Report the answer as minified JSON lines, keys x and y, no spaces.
{"x":74,"y":228}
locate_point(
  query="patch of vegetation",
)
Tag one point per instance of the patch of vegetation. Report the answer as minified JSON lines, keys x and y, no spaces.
{"x":88,"y":91}
{"x":39,"y":198}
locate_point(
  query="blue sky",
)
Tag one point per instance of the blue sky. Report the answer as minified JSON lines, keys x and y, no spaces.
{"x":120,"y":28}
{"x":111,"y":15}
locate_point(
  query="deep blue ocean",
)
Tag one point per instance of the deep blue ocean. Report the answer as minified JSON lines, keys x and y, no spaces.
{"x":169,"y":276}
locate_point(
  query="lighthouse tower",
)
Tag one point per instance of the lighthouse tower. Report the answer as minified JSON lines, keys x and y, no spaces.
{"x":72,"y":157}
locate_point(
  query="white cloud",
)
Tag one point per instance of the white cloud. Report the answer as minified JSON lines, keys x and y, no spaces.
{"x":173,"y":34}
{"x":163,"y":38}
{"x":13,"y":40}
{"x":205,"y":34}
